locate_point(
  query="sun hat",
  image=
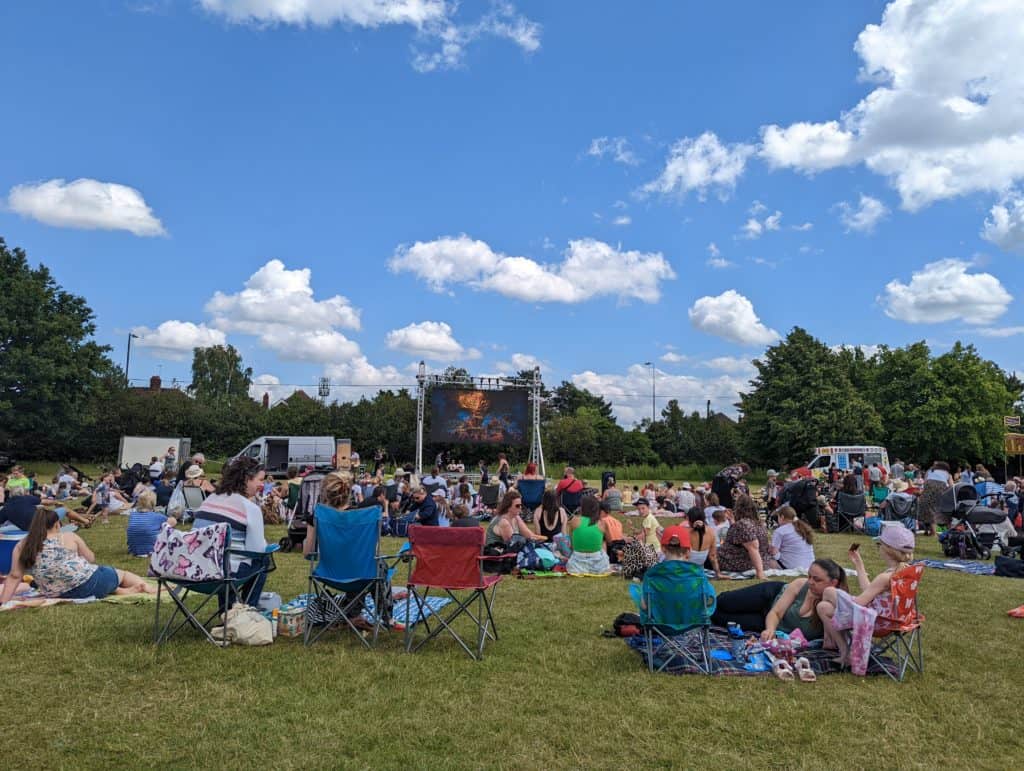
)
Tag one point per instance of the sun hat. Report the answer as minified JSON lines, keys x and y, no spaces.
{"x":687,"y":486}
{"x":772,"y":472}
{"x":194,"y":472}
{"x":677,"y":532}
{"x":897,"y":537}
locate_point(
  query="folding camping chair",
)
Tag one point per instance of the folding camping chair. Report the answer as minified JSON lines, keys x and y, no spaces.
{"x":225,"y":590}
{"x":451,"y":559}
{"x":532,"y":491}
{"x":571,"y":501}
{"x":899,"y":631}
{"x":675,"y":598}
{"x":489,"y":496}
{"x":346,"y":568}
{"x":194,"y":497}
{"x":848,"y":507}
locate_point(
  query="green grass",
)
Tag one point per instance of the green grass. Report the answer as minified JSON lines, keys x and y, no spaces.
{"x":84,"y":687}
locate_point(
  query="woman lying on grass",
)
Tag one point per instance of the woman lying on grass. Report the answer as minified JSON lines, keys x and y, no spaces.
{"x":62,"y":565}
{"x":776,"y":606}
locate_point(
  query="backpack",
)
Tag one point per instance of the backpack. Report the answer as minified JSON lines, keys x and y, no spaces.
{"x":1008,"y":567}
{"x":528,"y":558}
{"x":872,"y":526}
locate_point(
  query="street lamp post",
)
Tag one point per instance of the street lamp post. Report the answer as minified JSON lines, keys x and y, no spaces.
{"x":651,"y":365}
{"x":128,"y":358}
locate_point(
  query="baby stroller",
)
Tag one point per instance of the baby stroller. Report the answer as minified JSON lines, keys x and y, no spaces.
{"x":309,"y":494}
{"x":967,"y":514}
{"x":900,"y":507}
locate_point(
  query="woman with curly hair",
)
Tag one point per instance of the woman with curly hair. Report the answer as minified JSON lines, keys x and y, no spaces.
{"x":746,"y":544}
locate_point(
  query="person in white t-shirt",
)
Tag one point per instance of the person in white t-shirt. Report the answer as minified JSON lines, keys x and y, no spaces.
{"x":685,"y":499}
{"x":791,"y":542}
{"x":156,"y":468}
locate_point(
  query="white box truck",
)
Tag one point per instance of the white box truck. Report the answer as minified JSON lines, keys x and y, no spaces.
{"x":140,"y":449}
{"x":277,"y":453}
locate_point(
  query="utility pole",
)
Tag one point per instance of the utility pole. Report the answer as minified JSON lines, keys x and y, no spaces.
{"x":128,"y":357}
{"x":653,"y":413}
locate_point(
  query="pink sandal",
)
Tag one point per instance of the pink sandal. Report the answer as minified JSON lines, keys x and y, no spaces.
{"x":783,"y":670}
{"x":803,"y":669}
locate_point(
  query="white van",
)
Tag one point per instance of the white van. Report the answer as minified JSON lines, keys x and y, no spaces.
{"x":277,"y":453}
{"x":844,"y":457}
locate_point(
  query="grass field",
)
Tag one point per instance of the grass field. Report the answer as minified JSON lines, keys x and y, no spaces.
{"x":84,"y":687}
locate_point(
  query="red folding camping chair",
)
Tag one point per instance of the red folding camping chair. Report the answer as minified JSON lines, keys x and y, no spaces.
{"x":899,"y":631}
{"x":451,"y":559}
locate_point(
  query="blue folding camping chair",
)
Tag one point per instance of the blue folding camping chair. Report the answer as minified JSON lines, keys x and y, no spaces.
{"x":345,"y":569}
{"x":532,"y":491}
{"x":674,"y":599}
{"x":224,"y":590}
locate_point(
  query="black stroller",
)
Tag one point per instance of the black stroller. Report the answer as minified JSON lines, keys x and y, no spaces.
{"x":967,"y":514}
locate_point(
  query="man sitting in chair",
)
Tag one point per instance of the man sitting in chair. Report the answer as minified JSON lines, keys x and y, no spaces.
{"x":423,"y":508}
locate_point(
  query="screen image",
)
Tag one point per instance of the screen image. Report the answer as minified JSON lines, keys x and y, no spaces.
{"x":491,"y":417}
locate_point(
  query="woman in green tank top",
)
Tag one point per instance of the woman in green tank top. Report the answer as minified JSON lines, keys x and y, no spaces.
{"x":588,"y":536}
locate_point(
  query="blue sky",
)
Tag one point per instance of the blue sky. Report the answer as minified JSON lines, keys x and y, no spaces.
{"x":344,"y":187}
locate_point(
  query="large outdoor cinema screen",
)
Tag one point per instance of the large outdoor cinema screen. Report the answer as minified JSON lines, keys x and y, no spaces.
{"x":482,"y":417}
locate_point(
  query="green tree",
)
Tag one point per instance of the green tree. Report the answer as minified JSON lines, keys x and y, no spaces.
{"x":567,"y":398}
{"x":802,"y":397}
{"x":218,"y":374}
{"x":49,"y":364}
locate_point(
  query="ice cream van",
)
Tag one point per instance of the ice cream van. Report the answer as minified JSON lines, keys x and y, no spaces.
{"x":845,"y":457}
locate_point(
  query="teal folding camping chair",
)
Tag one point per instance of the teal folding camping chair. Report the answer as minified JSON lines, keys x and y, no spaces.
{"x":675,"y":599}
{"x":225,"y":591}
{"x":346,"y":570}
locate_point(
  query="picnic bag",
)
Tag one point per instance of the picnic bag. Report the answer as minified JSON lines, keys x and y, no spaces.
{"x":528,"y":558}
{"x":196,"y":555}
{"x":636,"y":558}
{"x":245,"y":626}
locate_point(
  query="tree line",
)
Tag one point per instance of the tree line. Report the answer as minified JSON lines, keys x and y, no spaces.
{"x":62,"y":397}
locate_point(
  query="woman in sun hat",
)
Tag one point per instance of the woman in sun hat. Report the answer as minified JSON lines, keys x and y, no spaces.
{"x":196,"y":477}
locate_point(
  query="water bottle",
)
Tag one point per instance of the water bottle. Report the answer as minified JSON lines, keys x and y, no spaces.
{"x":739,"y":643}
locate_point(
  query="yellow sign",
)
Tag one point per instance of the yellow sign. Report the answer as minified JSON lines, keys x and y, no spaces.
{"x":1014,"y":444}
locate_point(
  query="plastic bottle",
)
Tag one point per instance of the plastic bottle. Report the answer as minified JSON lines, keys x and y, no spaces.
{"x":275,"y":618}
{"x":739,"y":642}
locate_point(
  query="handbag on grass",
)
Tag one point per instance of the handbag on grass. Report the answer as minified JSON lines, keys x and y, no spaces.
{"x":196,"y":555}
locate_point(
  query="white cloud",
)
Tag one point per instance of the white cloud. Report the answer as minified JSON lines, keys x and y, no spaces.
{"x":731,"y":364}
{"x":803,"y":227}
{"x":771,"y":222}
{"x":946,"y":117}
{"x":718,"y":263}
{"x":275,"y":296}
{"x":625,"y":219}
{"x":863,"y":217}
{"x":754,"y":227}
{"x":590,"y":269}
{"x":731,"y":316}
{"x":943,"y":291}
{"x":86,"y":204}
{"x":176,"y":339}
{"x":1005,"y":227}
{"x":430,"y":340}
{"x":270,"y":385}
{"x":713,"y":250}
{"x":361,"y":379}
{"x":673,"y":358}
{"x":617,"y":148}
{"x":630,"y":393}
{"x":435,"y":22}
{"x":277,"y":305}
{"x":1000,"y":331}
{"x":519,"y":362}
{"x":700,"y":165}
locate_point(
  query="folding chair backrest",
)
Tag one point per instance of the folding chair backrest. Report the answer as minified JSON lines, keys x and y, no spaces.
{"x":571,"y":501}
{"x":903,"y":595}
{"x":489,"y":495}
{"x":309,"y":494}
{"x":293,"y":495}
{"x":391,"y":492}
{"x":446,"y":556}
{"x":194,"y":497}
{"x":347,"y":543}
{"x":677,"y":594}
{"x":852,"y":505}
{"x":532,"y":491}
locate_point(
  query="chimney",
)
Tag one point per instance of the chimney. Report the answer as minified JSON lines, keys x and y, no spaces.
{"x":266,"y":400}
{"x":154,"y":383}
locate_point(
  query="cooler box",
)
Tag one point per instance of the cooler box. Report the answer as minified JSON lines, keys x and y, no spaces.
{"x":8,"y":540}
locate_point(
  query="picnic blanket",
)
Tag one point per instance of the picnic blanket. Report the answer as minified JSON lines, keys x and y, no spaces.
{"x":530,"y":574}
{"x":401,"y":611}
{"x":820,"y":659}
{"x":964,"y":566}
{"x":749,"y":574}
{"x":34,"y":599}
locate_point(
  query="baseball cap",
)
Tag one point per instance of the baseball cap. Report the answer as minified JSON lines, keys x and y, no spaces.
{"x":644,"y":501}
{"x":439,"y":493}
{"x":677,"y":533}
{"x":896,"y":536}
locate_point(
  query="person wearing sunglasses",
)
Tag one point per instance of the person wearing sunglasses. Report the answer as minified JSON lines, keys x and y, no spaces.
{"x":508,"y":527}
